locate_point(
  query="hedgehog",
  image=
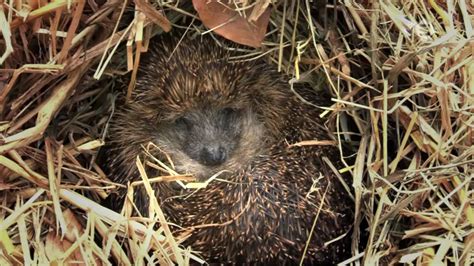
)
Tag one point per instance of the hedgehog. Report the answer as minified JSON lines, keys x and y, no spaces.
{"x":272,"y":202}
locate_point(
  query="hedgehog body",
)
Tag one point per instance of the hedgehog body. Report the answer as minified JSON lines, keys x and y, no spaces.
{"x":210,"y":115}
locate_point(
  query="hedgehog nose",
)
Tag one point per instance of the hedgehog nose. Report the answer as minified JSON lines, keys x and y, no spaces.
{"x":213,"y":155}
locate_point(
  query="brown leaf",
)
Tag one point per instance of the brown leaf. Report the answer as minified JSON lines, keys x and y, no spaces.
{"x":74,"y":227}
{"x":55,"y":249}
{"x":228,"y":23}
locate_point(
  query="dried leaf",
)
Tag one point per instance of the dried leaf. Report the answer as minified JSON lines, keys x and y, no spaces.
{"x":227,"y":22}
{"x":56,"y":248}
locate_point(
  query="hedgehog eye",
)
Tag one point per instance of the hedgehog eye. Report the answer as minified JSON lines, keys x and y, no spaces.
{"x":183,"y":122}
{"x":228,"y":111}
{"x":228,"y":117}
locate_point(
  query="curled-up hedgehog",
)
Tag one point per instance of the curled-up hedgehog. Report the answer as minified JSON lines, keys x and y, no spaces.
{"x":210,"y":115}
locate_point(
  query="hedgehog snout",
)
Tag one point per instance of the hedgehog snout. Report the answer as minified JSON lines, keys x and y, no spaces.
{"x":213,"y":155}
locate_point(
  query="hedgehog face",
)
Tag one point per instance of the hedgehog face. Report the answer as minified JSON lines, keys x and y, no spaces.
{"x":209,"y":136}
{"x":203,"y":141}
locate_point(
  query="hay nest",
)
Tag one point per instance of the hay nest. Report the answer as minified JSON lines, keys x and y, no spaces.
{"x":402,"y":79}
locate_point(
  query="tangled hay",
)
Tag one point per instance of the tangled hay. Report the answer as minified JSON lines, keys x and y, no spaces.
{"x":401,"y":76}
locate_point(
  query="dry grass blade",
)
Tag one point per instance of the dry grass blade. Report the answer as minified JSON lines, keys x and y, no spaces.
{"x":153,"y":14}
{"x":156,"y":210}
{"x":5,"y":30}
{"x":45,"y":113}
